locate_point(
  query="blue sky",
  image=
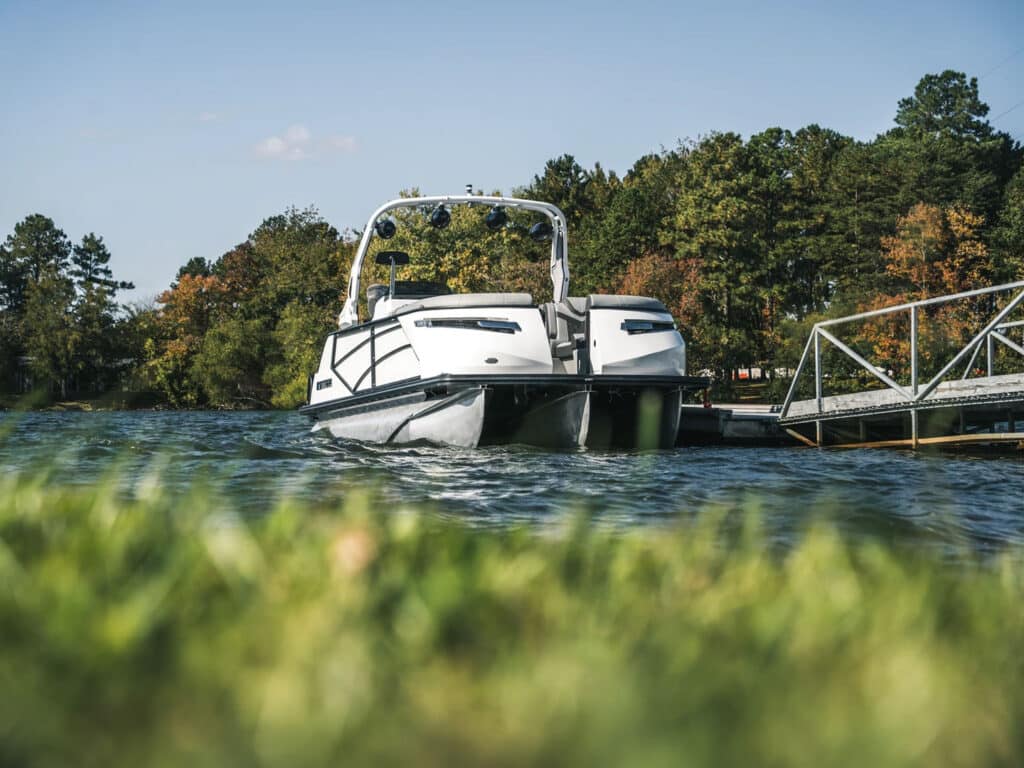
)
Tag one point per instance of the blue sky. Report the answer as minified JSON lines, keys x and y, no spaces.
{"x":173,"y":129}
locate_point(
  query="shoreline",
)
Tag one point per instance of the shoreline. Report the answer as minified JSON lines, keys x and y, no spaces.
{"x":27,"y":403}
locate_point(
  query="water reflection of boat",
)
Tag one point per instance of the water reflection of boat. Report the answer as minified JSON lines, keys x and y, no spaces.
{"x":467,"y":369}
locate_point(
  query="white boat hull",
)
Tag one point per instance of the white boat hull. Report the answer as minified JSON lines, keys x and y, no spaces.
{"x":457,"y":420}
{"x":572,"y":413}
{"x":460,"y":420}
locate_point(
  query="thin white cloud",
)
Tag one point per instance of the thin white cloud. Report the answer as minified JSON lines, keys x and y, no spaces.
{"x":272,"y":147}
{"x":208,"y":117}
{"x":292,"y":145}
{"x":297,"y":134}
{"x":297,"y":143}
{"x":340,"y":143}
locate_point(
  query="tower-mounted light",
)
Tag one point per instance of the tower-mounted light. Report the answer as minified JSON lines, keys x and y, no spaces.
{"x":440,"y":218}
{"x":496,"y":218}
{"x":385,"y":228}
{"x":541,"y":231}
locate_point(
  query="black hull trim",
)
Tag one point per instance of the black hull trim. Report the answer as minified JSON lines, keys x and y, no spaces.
{"x":545,"y":411}
{"x":439,"y":385}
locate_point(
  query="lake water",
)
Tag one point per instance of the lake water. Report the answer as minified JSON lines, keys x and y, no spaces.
{"x":259,"y":456}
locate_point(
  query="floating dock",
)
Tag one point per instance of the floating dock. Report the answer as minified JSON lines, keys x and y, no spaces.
{"x":742,"y":424}
{"x":976,"y":407}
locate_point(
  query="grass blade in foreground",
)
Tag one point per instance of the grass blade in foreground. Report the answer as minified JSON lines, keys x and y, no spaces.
{"x":157,"y":632}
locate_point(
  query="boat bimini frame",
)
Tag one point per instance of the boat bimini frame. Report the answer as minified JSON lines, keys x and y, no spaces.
{"x":469,"y":369}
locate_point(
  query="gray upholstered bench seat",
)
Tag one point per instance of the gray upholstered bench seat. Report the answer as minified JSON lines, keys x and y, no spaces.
{"x":637,"y":303}
{"x":468,"y":300}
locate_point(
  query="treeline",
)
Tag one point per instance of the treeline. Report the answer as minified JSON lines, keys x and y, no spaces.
{"x":59,"y":319}
{"x":747,"y":242}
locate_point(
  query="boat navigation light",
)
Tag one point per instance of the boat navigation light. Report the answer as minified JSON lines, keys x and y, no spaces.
{"x":496,"y":218}
{"x":440,"y":218}
{"x":541,"y":231}
{"x":385,"y":228}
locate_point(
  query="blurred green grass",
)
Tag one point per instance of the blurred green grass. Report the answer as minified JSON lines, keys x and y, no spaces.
{"x":162,"y":630}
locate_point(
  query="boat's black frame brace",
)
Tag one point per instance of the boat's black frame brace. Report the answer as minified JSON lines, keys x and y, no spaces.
{"x":448,"y":383}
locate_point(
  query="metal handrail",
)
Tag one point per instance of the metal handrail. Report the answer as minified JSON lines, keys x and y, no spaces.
{"x":924,"y":303}
{"x":991,"y":333}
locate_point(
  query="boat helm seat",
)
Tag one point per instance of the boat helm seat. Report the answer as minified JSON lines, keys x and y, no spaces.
{"x":576,"y":305}
{"x":566,"y":324}
{"x":374,"y":293}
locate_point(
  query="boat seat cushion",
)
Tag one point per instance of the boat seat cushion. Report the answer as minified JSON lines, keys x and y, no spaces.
{"x":638,"y":303}
{"x":572,"y":317}
{"x":576,"y":305}
{"x":465,"y":300}
{"x":565,"y":326}
{"x":563,"y":349}
{"x":374,"y":293}
{"x":550,"y":316}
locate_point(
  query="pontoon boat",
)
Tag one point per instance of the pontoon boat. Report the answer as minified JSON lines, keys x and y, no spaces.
{"x":481,"y":368}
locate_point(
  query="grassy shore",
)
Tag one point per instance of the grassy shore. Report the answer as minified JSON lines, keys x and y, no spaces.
{"x":164,"y":631}
{"x":110,"y":401}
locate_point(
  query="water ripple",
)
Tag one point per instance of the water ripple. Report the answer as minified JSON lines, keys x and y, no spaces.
{"x":258,"y":457}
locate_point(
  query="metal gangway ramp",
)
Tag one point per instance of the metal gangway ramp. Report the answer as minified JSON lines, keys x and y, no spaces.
{"x":972,"y":406}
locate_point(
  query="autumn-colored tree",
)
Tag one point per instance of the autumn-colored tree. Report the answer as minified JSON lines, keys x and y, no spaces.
{"x":673,"y":282}
{"x":935,"y":251}
{"x":189,"y":309}
{"x":185,"y":315}
{"x":218,"y":338}
{"x":197,"y":266}
{"x":240,"y":272}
